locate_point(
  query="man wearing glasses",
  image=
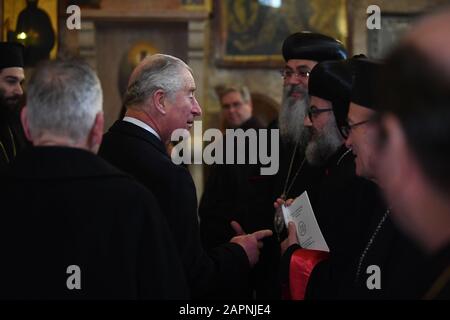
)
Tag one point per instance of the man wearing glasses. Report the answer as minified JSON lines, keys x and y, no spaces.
{"x":338,"y":192}
{"x":301,"y":52}
{"x":384,"y":246}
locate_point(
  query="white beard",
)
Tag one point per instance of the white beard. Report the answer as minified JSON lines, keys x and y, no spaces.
{"x":323,"y":144}
{"x":291,"y":117}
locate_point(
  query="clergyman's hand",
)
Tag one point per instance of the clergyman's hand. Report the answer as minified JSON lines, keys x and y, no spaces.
{"x":291,"y":239}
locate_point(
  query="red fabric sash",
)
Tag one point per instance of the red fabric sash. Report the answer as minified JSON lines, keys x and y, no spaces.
{"x":302,"y":264}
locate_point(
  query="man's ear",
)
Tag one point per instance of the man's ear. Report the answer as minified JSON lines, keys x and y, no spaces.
{"x":96,"y":134}
{"x":24,"y":121}
{"x":159,"y":97}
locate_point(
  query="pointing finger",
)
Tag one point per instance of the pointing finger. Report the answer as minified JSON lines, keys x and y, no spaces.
{"x":261,"y":234}
{"x":237,"y":228}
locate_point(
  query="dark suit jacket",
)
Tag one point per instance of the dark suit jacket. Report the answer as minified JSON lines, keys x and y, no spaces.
{"x":239,"y":192}
{"x":138,"y":152}
{"x":232,"y":193}
{"x":66,"y":206}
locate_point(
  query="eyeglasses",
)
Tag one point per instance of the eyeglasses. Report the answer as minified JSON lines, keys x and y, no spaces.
{"x":347,"y":128}
{"x":314,"y":112}
{"x":235,"y":104}
{"x":300,"y":73}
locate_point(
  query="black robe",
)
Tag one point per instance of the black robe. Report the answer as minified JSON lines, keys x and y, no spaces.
{"x":397,"y":257}
{"x":65,"y":206}
{"x":12,"y":138}
{"x":335,"y":199}
{"x":220,"y":273}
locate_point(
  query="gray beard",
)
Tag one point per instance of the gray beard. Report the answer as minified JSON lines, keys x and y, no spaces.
{"x":290,"y":119}
{"x":323,"y":145}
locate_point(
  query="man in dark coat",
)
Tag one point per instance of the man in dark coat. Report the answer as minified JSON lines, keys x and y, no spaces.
{"x":341,"y":224}
{"x":72,"y":226}
{"x":226,"y":196}
{"x":231,"y":191}
{"x":160,"y":99}
{"x":383,"y":246}
{"x":301,"y":52}
{"x":415,"y":172}
{"x":12,"y":139}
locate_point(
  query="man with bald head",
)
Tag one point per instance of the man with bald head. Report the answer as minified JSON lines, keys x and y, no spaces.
{"x":160,"y":99}
{"x":415,"y":171}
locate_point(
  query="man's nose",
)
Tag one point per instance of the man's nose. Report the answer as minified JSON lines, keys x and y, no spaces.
{"x":292,"y":80}
{"x":197,"y":110}
{"x":307,"y":121}
{"x":18,"y":89}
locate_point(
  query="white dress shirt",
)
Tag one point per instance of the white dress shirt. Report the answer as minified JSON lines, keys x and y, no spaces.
{"x":141,"y":124}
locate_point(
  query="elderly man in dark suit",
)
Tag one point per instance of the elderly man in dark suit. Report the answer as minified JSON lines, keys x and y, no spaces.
{"x":73,"y":226}
{"x":160,"y":99}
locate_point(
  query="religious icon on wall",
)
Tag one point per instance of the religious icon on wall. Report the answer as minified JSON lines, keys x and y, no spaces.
{"x":34,"y":24}
{"x":251,"y":32}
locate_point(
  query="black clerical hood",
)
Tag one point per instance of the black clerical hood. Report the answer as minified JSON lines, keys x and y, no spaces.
{"x":312,"y":46}
{"x":11,"y":55}
{"x":332,"y":81}
{"x":366,"y":74}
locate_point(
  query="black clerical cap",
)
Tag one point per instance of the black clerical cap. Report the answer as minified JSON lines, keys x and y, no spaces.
{"x":11,"y":55}
{"x":366,"y":74}
{"x":312,"y":46}
{"x":332,"y":81}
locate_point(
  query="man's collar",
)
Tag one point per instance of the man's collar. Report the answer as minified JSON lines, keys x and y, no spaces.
{"x":141,"y":124}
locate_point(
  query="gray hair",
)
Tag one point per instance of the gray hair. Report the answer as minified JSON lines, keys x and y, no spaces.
{"x":243,"y":91}
{"x":64,"y":97}
{"x":291,"y":117}
{"x":160,"y":71}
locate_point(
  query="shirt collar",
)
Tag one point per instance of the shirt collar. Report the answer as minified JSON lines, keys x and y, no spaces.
{"x":141,"y":124}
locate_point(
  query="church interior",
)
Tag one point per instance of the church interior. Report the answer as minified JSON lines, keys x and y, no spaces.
{"x":361,"y":160}
{"x":115,"y":35}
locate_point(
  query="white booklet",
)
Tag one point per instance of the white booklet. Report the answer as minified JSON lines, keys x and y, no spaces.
{"x":308,"y":231}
